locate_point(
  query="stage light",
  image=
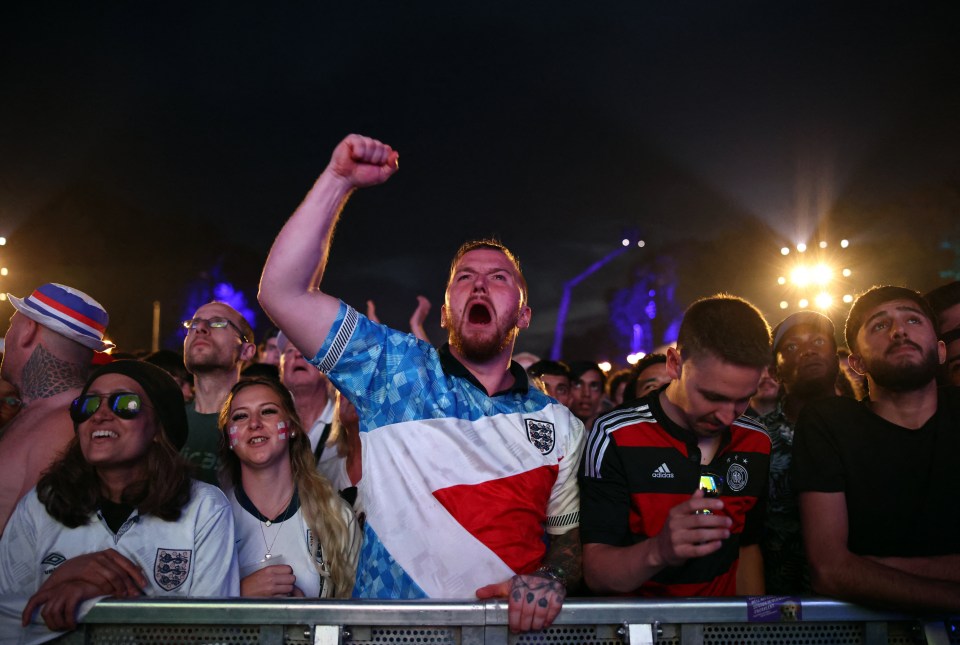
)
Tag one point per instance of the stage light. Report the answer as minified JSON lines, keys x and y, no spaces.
{"x":641,"y":243}
{"x":847,"y":273}
{"x":781,"y":280}
{"x":801,"y":247}
{"x":823,"y":300}
{"x":3,"y":296}
{"x":844,"y":244}
{"x":625,"y":242}
{"x":821,"y":274}
{"x":784,"y":304}
{"x":804,"y":303}
{"x":3,"y":271}
{"x":3,"y":241}
{"x":847,"y":298}
{"x":800,"y":276}
{"x":823,"y":245}
{"x":605,"y":366}
{"x":784,"y":251}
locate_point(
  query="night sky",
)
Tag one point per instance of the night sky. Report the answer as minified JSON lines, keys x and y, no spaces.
{"x":148,"y":148}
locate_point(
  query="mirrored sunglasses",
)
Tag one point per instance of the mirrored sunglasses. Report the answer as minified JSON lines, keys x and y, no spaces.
{"x":125,"y":405}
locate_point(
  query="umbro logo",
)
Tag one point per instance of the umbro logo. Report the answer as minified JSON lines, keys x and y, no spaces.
{"x":662,"y":472}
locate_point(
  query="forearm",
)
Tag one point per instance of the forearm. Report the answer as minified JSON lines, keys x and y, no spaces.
{"x":942,"y":567}
{"x":750,"y":571}
{"x":619,"y":569}
{"x":565,"y":555}
{"x":863,"y":580}
{"x":299,"y":254}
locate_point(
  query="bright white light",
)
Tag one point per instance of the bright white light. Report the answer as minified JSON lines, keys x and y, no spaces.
{"x":804,"y":303}
{"x":823,"y":300}
{"x":844,"y":244}
{"x":800,"y":276}
{"x":848,"y":298}
{"x":823,"y":245}
{"x":3,"y":297}
{"x":821,"y":274}
{"x":3,"y":241}
{"x":605,"y":366}
{"x":846,"y":273}
{"x":641,"y":243}
{"x":801,"y":247}
{"x":781,"y":280}
{"x":785,"y":251}
{"x":625,"y":242}
{"x":3,"y":271}
{"x":784,"y":304}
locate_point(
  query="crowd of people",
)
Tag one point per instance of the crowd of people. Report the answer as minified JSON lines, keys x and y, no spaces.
{"x":341,"y":458}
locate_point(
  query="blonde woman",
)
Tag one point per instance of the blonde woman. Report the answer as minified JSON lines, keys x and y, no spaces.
{"x":296,"y":537}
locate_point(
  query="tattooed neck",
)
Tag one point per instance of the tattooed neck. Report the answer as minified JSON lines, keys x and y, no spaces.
{"x":46,"y":375}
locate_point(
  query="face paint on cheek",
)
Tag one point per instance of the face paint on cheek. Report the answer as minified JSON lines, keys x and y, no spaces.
{"x":232,"y":433}
{"x":282,"y":431}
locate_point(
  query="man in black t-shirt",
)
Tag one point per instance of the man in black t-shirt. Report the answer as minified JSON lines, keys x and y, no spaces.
{"x":876,"y":478}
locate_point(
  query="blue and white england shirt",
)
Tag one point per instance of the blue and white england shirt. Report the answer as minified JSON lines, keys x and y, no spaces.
{"x":458,"y":486}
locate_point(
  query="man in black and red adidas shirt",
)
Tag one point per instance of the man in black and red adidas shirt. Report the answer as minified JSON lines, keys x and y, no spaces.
{"x":646,"y":525}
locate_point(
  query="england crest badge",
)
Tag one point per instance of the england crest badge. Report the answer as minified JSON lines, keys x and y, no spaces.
{"x":541,"y":434}
{"x":171,"y":568}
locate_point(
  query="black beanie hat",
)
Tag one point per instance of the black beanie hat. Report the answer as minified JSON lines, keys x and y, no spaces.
{"x":164,"y":394}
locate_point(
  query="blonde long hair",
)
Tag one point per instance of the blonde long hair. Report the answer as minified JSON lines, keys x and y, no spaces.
{"x":323,"y":509}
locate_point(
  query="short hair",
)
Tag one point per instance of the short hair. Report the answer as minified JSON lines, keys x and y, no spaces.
{"x":943,"y":297}
{"x":241,"y":322}
{"x":876,"y":296}
{"x":653,"y":358}
{"x":493,"y":245}
{"x":549,"y":368}
{"x":728,"y":327}
{"x":579,"y":368}
{"x":267,"y":335}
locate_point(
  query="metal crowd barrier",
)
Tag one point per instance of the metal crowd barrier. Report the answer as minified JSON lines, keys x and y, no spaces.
{"x":770,"y":620}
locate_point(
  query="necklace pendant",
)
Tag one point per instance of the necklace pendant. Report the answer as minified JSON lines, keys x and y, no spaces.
{"x":268,"y":523}
{"x":267,"y":556}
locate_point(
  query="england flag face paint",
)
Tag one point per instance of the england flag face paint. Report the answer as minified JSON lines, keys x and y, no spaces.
{"x":282,"y":430}
{"x":232,"y":432}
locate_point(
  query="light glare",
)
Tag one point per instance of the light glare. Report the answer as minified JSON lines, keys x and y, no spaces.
{"x":784,"y":304}
{"x":784,"y":250}
{"x":781,"y":280}
{"x":801,"y":247}
{"x":823,"y":245}
{"x":625,"y":242}
{"x":605,"y":366}
{"x":847,"y":298}
{"x":804,"y":303}
{"x":823,"y":300}
{"x":844,"y":244}
{"x":847,"y":273}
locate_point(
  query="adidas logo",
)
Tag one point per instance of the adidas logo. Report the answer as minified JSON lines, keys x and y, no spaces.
{"x":662,"y":472}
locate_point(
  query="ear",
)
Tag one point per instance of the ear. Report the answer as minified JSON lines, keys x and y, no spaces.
{"x":674,"y":364}
{"x":523,"y":320}
{"x":855,"y":361}
{"x":248,"y":351}
{"x":31,"y":333}
{"x":443,"y":316}
{"x":942,"y":351}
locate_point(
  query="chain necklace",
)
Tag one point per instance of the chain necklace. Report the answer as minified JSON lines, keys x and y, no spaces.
{"x":269,"y":548}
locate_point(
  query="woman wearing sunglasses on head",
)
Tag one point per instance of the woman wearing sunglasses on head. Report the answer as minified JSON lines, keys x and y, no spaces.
{"x":117,"y":515}
{"x":295,"y":536}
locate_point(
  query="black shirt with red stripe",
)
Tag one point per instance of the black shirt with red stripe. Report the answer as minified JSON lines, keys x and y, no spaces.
{"x":638,"y":464}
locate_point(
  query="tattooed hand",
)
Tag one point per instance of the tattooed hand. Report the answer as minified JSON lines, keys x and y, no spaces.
{"x":533,"y":601}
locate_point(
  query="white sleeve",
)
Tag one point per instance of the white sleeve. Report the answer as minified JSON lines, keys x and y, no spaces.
{"x":563,"y":508}
{"x":19,"y":568}
{"x":215,"y":572}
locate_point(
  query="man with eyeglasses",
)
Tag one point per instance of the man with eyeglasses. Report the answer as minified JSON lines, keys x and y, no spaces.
{"x":217,"y":343}
{"x":672,"y":485}
{"x":48,"y":353}
{"x":466,"y":468}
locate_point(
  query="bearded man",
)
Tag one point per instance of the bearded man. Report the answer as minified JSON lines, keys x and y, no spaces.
{"x":464,"y":464}
{"x":876,"y":477}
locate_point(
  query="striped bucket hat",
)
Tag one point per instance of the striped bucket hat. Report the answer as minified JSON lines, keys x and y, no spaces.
{"x":69,"y":312}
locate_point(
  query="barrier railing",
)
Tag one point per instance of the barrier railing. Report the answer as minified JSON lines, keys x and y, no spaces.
{"x":688,"y":621}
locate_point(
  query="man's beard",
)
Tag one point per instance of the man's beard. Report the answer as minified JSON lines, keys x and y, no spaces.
{"x":480,"y":349}
{"x":904,"y":378}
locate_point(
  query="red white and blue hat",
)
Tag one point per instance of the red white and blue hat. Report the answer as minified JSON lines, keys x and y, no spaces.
{"x":69,"y":312}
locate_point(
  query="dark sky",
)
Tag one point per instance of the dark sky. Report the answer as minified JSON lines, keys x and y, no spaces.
{"x":554,"y":126}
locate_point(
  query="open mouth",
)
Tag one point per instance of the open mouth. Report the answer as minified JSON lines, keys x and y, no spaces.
{"x":257,"y":441}
{"x":479,"y":314}
{"x":104,"y":434}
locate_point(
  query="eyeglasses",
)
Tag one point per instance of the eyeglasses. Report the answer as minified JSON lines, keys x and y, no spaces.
{"x":213,"y":323}
{"x":125,"y":405}
{"x":593,"y":386}
{"x":12,"y":401}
